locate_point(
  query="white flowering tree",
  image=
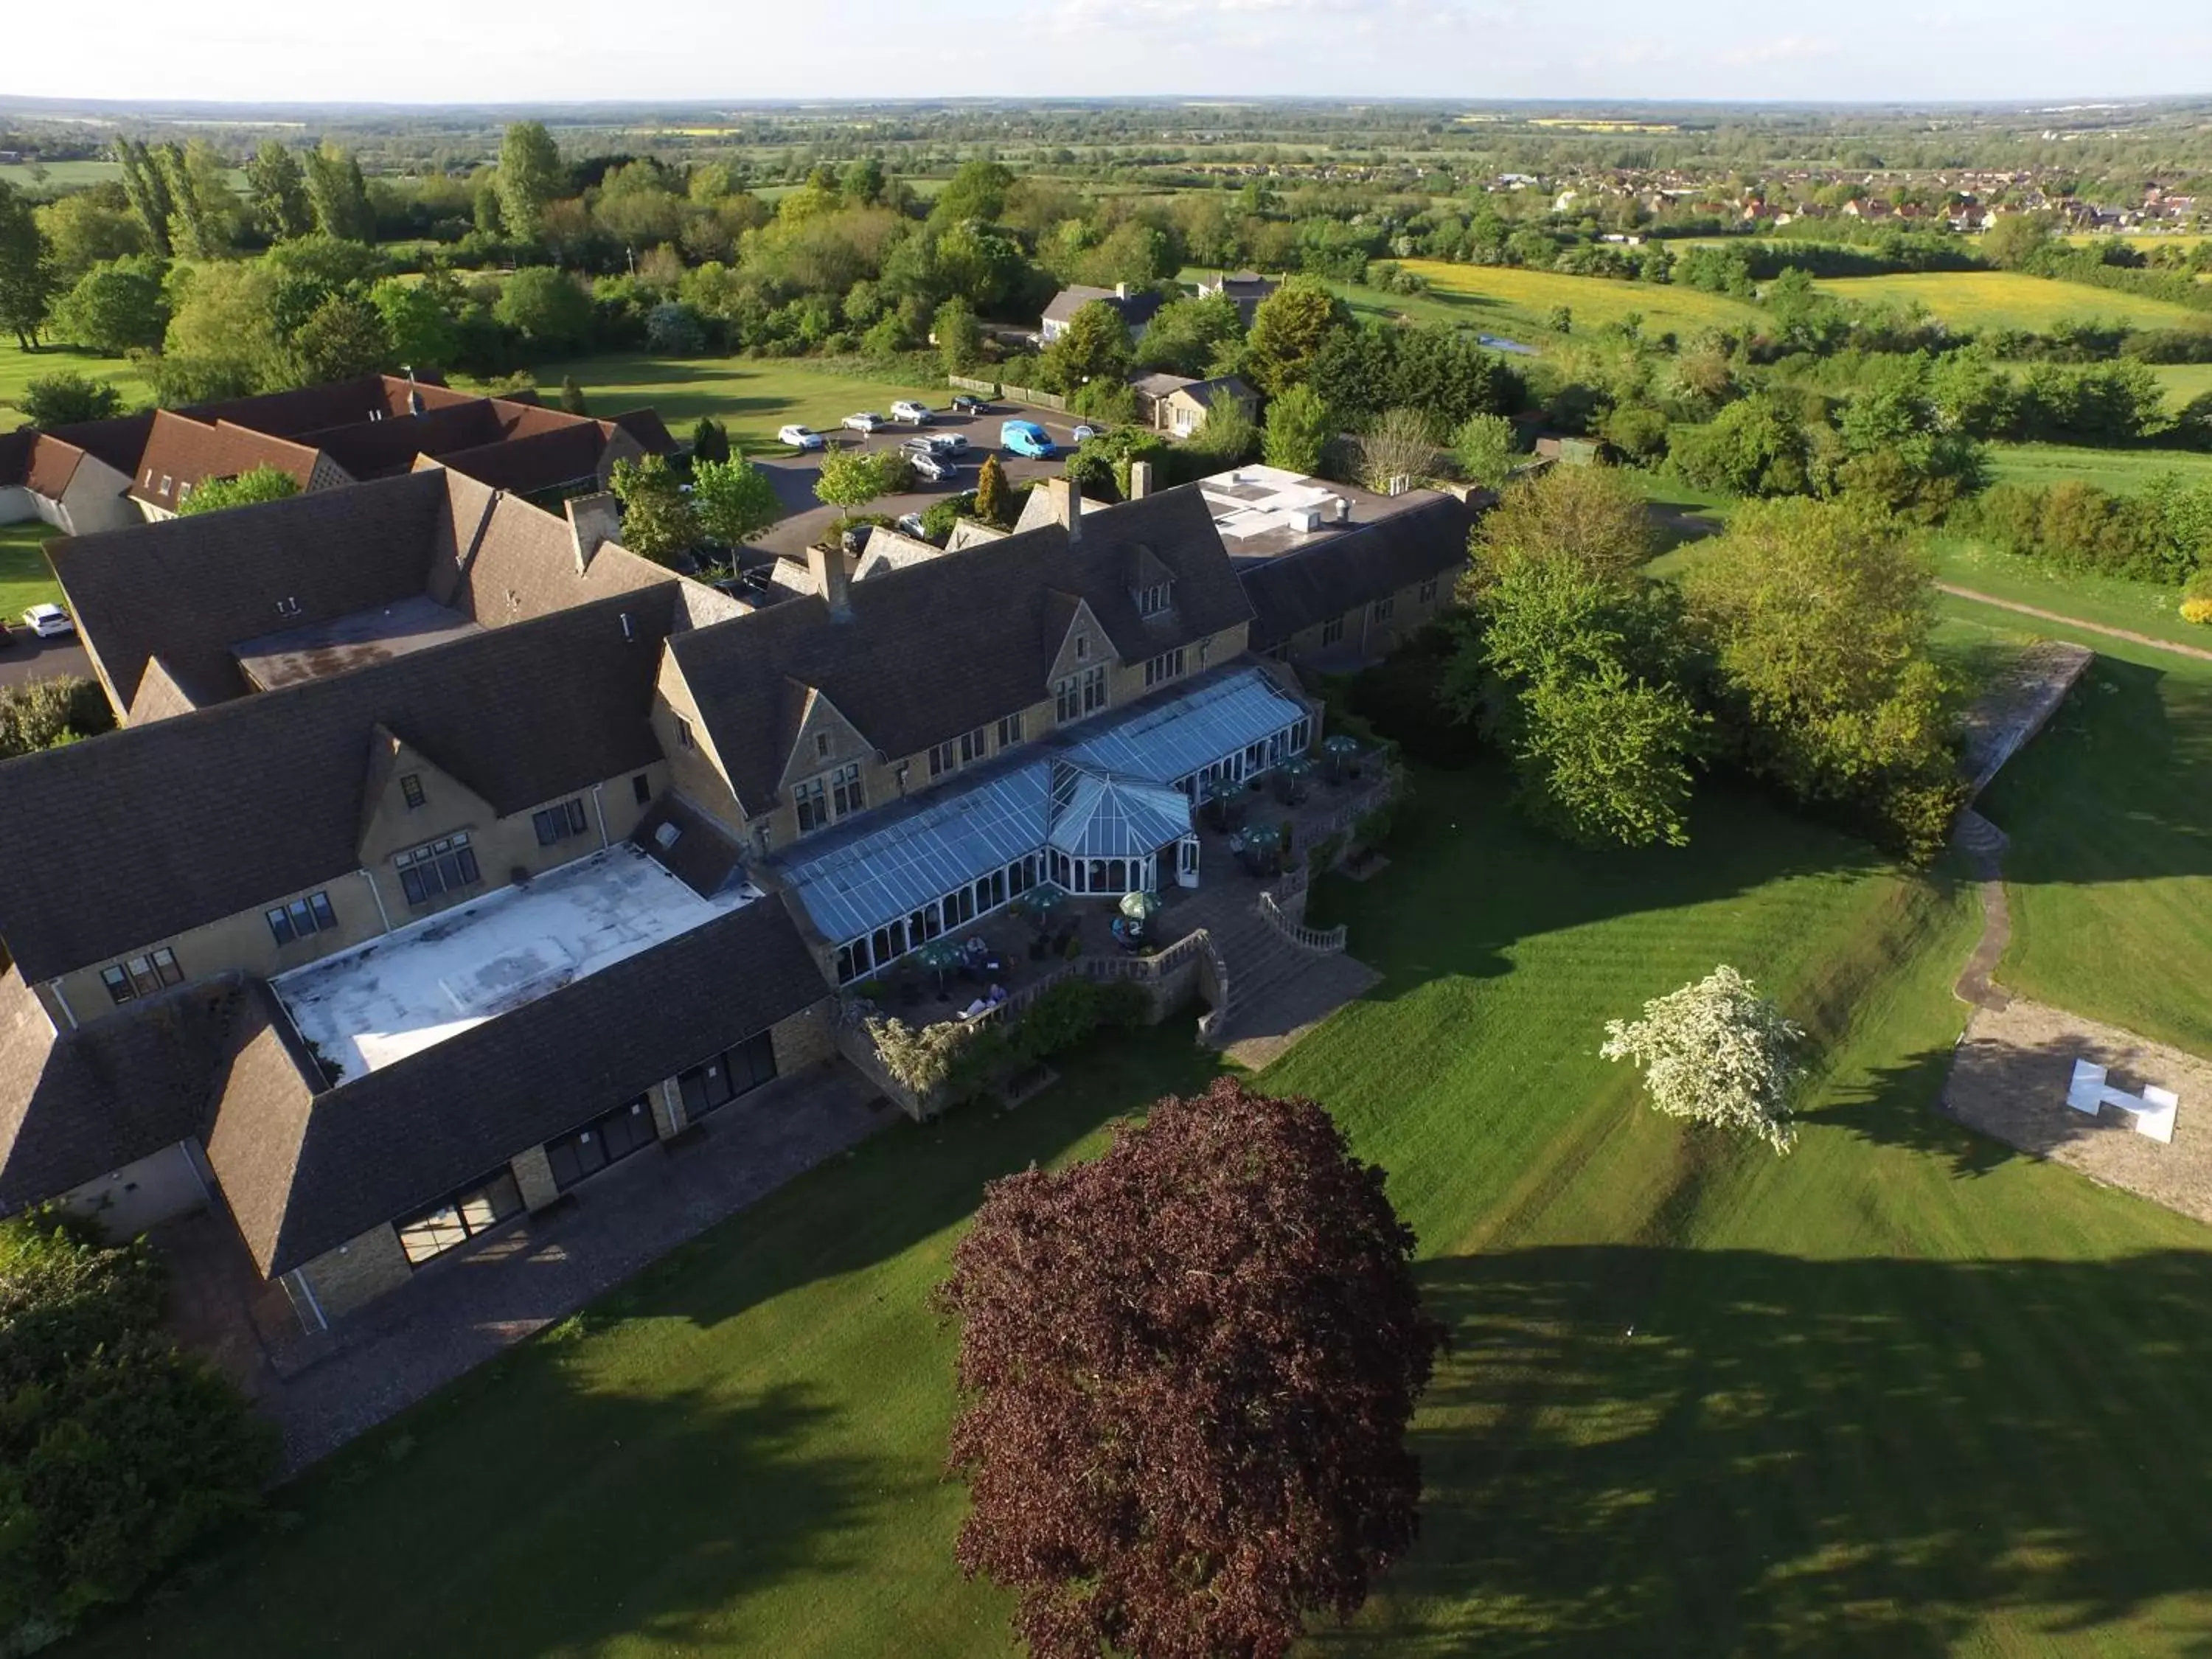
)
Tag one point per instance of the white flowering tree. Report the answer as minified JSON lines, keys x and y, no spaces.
{"x":1715,"y":1052}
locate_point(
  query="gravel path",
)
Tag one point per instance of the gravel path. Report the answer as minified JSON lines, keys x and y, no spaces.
{"x":2127,"y":634}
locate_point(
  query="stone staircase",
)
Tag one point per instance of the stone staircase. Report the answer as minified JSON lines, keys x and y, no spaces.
{"x":1277,"y":991}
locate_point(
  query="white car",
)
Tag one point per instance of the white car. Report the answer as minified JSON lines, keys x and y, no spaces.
{"x":864,"y":422}
{"x":941,"y":443}
{"x":910,"y":411}
{"x":1083,"y":434}
{"x":48,"y":621}
{"x":801,"y":437}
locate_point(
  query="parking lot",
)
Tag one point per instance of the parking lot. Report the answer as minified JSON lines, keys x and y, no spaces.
{"x":25,"y":658}
{"x":795,"y":475}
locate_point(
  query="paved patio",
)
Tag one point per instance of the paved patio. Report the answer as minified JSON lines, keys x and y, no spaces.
{"x":467,"y":1307}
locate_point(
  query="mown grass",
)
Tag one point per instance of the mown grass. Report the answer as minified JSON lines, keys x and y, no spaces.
{"x":2184,"y":381}
{"x":1509,"y":301}
{"x":2125,"y":470}
{"x":751,"y":396}
{"x":2012,"y":298}
{"x":2105,"y":601}
{"x":1896,"y":1393}
{"x":25,"y":580}
{"x":18,"y":368}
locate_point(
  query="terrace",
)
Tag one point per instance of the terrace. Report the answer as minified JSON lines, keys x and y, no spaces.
{"x":445,"y":974}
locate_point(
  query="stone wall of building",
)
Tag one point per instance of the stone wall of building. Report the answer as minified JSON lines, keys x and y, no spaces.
{"x":357,"y":1272}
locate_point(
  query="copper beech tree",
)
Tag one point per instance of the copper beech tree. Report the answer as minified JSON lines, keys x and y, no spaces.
{"x":1187,"y":1368}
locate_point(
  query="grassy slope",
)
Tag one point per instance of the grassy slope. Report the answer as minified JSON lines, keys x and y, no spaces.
{"x":19,"y":369}
{"x":752,"y":396}
{"x":1507,"y":299}
{"x":2010,"y":298}
{"x":2108,"y":601}
{"x":1842,"y":1402}
{"x":2123,"y":469}
{"x":2184,"y":381}
{"x":25,"y":580}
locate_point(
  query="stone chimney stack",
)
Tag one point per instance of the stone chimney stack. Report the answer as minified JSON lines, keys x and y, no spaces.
{"x":1066,"y":505}
{"x":832,"y":578}
{"x":592,"y":520}
{"x":1140,"y":480}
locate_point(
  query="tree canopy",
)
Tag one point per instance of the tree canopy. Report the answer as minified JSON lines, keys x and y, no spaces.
{"x":1717,"y":1052}
{"x":658,"y":519}
{"x":260,"y":484}
{"x":1186,"y":1370}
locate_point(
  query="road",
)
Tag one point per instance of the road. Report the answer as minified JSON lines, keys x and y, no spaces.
{"x":25,"y":658}
{"x":795,"y":475}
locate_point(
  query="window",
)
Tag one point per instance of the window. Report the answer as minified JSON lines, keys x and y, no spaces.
{"x":1010,"y":731}
{"x":1167,"y":666}
{"x":1154,"y":598}
{"x":1094,"y":689}
{"x":1428,"y":590}
{"x":974,"y":745}
{"x":1082,"y":647}
{"x":559,"y":822}
{"x":410,"y":789}
{"x":477,"y":1208}
{"x":683,"y":732}
{"x":168,"y":484}
{"x":609,"y":1139}
{"x":729,"y":1074}
{"x":301,"y":917}
{"x":941,"y":760}
{"x":822,"y":745}
{"x":813,"y":808}
{"x":141,"y":976}
{"x":1081,"y":694}
{"x":845,"y":792}
{"x":641,"y":787}
{"x":1381,"y":609}
{"x":442,"y":866}
{"x":1332,"y":630}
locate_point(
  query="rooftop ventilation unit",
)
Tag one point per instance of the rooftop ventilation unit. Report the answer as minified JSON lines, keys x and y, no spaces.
{"x":666,"y":837}
{"x":1306,"y":520}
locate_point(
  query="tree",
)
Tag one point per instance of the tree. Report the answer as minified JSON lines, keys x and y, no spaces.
{"x":572,"y":395}
{"x":733,"y":498}
{"x":65,"y":398}
{"x":1755,"y":446}
{"x":121,"y":1455}
{"x":530,"y":175}
{"x":1299,"y":427}
{"x":147,"y":187}
{"x":338,"y":194}
{"x":710,"y":440}
{"x":1095,"y":345}
{"x":1227,"y":436}
{"x":1289,"y":331}
{"x":46,"y":713}
{"x":204,"y":210}
{"x":26,"y":270}
{"x":657,"y":520}
{"x":1399,"y":443}
{"x":1190,"y":337}
{"x":552,"y":313}
{"x":995,"y":503}
{"x":115,"y":307}
{"x":959,"y":334}
{"x":422,"y":330}
{"x":2015,"y":239}
{"x":977,"y":191}
{"x":278,"y":187}
{"x":1715,"y":1052}
{"x":1186,"y":1370}
{"x":1590,"y":517}
{"x":88,"y":227}
{"x":851,"y":478}
{"x":342,"y":339}
{"x":1486,"y":450}
{"x":249,"y":489}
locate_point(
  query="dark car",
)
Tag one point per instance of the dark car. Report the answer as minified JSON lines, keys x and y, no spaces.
{"x":966,"y":403}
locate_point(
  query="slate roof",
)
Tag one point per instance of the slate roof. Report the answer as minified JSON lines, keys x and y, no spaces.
{"x":946,"y":646}
{"x":77,"y":1105}
{"x":536,"y":461}
{"x":1355,"y":567}
{"x":138,"y":835}
{"x":305,"y":1168}
{"x":180,"y":452}
{"x":1137,"y":309}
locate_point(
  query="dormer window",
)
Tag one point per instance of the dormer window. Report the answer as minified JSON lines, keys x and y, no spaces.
{"x":1155,"y":598}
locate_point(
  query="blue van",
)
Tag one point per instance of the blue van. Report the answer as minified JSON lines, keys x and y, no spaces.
{"x":1025,"y":438}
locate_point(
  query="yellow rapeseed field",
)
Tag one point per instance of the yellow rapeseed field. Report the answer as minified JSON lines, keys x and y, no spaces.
{"x":1508,"y":298}
{"x":2011,"y":299}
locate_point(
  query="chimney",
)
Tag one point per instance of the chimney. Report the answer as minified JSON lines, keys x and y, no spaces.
{"x":1066,"y":505}
{"x":592,"y":520}
{"x":1140,"y":480}
{"x":832,"y":578}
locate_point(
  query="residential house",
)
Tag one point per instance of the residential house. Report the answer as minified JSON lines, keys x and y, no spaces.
{"x":1176,"y":404}
{"x":1247,"y":287}
{"x":1137,"y":307}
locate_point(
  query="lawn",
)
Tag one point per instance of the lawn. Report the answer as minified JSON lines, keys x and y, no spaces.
{"x":2124,"y":470}
{"x":25,"y":580}
{"x":751,"y":396}
{"x":18,"y":368}
{"x":2106,"y":601}
{"x":2011,"y":299}
{"x":2183,"y":381}
{"x":1513,"y":301}
{"x":1891,"y":1394}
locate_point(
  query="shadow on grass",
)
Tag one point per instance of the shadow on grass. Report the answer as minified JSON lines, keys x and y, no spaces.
{"x":1654,"y":1451}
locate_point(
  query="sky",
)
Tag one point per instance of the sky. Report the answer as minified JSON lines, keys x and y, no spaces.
{"x":498,"y":52}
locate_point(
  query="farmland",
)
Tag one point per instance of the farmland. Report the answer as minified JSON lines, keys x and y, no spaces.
{"x":2122,"y":470}
{"x":1510,"y":301}
{"x":2007,"y":299}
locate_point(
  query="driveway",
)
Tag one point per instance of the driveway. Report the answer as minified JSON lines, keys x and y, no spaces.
{"x":25,"y":658}
{"x":795,"y":475}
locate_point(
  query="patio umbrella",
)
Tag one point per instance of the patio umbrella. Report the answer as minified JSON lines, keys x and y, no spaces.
{"x":1140,"y":907}
{"x":939,"y":957}
{"x":1263,"y":836}
{"x":1044,"y":900}
{"x":1340,"y":744}
{"x":1296,"y":766}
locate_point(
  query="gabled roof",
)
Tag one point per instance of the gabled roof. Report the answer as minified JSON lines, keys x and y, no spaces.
{"x":181,"y":452}
{"x":141,"y":834}
{"x":1354,"y":567}
{"x":77,"y":1105}
{"x":540,"y":460}
{"x":305,"y":1168}
{"x":1137,"y":309}
{"x":950,"y":644}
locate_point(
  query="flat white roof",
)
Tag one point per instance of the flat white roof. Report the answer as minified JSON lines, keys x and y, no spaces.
{"x":402,"y":994}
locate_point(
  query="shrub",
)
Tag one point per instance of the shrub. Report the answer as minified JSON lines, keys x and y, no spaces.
{"x":66,"y":396}
{"x":46,"y":713}
{"x":249,"y":489}
{"x":675,"y":329}
{"x":918,"y":1059}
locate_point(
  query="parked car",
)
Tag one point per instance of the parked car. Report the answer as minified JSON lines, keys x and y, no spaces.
{"x":1025,"y":438}
{"x":948,"y":443}
{"x":935,"y":467}
{"x":801,"y":437}
{"x":1083,"y":434}
{"x":909,"y":523}
{"x":49,"y":622}
{"x":968,"y":403}
{"x":906,"y":410}
{"x":865,"y":421}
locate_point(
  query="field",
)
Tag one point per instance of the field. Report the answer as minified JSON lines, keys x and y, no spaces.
{"x":18,"y":368}
{"x":59,"y":175}
{"x":2106,"y":601}
{"x":2009,"y":299}
{"x":2124,"y":470}
{"x":2184,"y":381}
{"x":1896,"y":1394}
{"x":751,"y":396}
{"x":25,"y":580}
{"x":1507,"y":299}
